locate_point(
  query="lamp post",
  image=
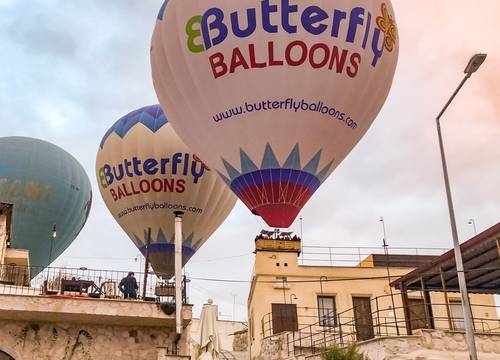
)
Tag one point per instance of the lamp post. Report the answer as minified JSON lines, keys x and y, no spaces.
{"x":473,"y":65}
{"x":473,"y":223}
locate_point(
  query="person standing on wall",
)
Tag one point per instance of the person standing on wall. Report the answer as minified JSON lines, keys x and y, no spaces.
{"x":128,"y":286}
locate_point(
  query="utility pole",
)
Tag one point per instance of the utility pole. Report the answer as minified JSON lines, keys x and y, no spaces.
{"x":301,"y":241}
{"x":234,"y":306}
{"x":146,"y":264}
{"x":385,"y":245}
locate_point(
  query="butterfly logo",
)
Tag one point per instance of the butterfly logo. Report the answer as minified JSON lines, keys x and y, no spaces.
{"x":387,"y":25}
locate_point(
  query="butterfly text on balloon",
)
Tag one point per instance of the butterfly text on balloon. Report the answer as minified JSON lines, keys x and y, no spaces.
{"x":179,"y":164}
{"x":355,"y":27}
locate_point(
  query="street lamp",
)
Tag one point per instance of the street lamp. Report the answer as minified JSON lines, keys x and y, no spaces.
{"x":473,"y":223}
{"x":473,"y":65}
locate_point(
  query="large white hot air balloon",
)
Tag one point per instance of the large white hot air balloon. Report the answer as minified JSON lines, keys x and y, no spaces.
{"x":145,"y":173}
{"x":274,"y":94}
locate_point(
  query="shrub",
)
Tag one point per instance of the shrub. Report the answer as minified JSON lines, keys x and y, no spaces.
{"x":348,"y":353}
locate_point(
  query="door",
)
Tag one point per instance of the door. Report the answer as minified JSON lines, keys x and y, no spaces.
{"x":5,"y":224}
{"x":363,"y":318}
{"x":327,"y":311}
{"x":418,"y":315}
{"x":284,"y":318}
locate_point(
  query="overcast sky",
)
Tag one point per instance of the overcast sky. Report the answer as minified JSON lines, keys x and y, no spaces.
{"x":69,"y":69}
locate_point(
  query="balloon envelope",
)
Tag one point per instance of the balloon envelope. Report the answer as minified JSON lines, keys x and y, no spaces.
{"x":273,"y":94}
{"x":145,"y":173}
{"x":45,"y":186}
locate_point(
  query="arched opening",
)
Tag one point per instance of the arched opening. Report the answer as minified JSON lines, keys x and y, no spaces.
{"x":5,"y":356}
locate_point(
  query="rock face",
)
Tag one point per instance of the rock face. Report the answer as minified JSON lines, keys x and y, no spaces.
{"x":50,"y":341}
{"x":431,"y":345}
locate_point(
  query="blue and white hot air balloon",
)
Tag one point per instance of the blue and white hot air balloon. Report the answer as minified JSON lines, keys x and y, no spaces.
{"x":145,"y":173}
{"x":42,"y":185}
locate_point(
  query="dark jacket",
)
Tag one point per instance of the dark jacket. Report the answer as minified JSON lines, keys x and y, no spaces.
{"x":128,"y":285}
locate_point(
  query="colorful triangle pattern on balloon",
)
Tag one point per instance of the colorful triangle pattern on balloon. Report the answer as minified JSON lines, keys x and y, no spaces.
{"x":151,"y":117}
{"x":273,"y":191}
{"x":269,"y":161}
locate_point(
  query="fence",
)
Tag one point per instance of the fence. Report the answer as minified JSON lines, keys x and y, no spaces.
{"x":313,"y":332}
{"x":353,"y":256}
{"x":102,"y":284}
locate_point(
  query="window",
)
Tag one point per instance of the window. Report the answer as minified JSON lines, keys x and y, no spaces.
{"x":457,"y":314}
{"x":281,"y":283}
{"x":327,"y":311}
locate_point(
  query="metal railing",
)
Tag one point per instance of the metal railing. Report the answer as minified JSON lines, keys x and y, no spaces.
{"x":344,"y":328}
{"x":82,"y":282}
{"x":353,"y":256}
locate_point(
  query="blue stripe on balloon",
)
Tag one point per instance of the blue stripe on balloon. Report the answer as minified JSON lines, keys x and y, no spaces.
{"x":166,"y":248}
{"x":162,"y":10}
{"x":268,"y":176}
{"x":150,"y":116}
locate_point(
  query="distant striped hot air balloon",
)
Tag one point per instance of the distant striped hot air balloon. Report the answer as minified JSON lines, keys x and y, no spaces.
{"x":145,"y":173}
{"x":274,"y":94}
{"x":45,"y":186}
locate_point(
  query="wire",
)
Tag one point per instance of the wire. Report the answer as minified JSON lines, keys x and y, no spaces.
{"x":95,"y":258}
{"x":221,"y":258}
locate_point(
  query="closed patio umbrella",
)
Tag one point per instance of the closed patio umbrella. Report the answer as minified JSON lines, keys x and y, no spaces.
{"x":209,"y":338}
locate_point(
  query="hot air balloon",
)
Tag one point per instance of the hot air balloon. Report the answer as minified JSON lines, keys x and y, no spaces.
{"x":274,"y":94}
{"x":46,"y":190}
{"x":145,"y":173}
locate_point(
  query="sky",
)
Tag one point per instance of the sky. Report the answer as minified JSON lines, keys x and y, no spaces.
{"x":70,"y":69}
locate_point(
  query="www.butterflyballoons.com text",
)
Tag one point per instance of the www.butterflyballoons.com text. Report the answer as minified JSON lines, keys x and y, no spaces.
{"x":289,"y":104}
{"x":159,"y":206}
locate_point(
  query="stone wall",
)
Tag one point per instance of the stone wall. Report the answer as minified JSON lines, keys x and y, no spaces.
{"x":65,"y":341}
{"x":272,"y":348}
{"x":240,"y":341}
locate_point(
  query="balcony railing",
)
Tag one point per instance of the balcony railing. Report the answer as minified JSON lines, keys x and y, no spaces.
{"x":313,"y":334}
{"x":83,"y":282}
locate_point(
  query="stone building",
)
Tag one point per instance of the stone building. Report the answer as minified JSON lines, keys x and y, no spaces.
{"x":297,"y":309}
{"x":73,"y":314}
{"x":34,"y":326}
